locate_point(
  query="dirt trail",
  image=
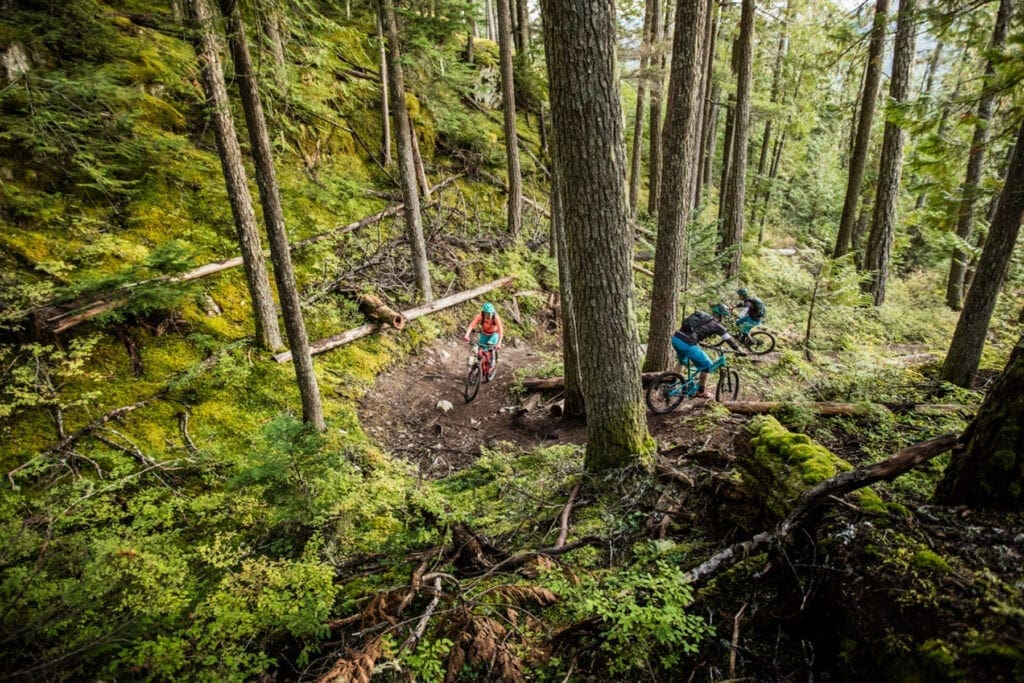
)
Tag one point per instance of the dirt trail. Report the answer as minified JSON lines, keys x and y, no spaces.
{"x":401,"y":411}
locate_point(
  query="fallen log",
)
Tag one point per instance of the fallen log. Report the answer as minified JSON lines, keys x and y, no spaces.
{"x":530,"y":404}
{"x":59,"y":317}
{"x":557,"y":408}
{"x":640,"y":269}
{"x":379,"y":312}
{"x":536,"y":207}
{"x":558,"y":383}
{"x":829,"y":409}
{"x":813,"y":499}
{"x":409,"y":315}
{"x":822,"y":408}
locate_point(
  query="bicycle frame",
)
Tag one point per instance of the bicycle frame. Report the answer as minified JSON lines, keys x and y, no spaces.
{"x":484,"y":356}
{"x":692,"y":384}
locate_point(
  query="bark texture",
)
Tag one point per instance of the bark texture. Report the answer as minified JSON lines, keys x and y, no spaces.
{"x":273,"y":216}
{"x":656,"y":66}
{"x":268,"y":334}
{"x":987,"y":468}
{"x":682,"y":156}
{"x":735,"y":185}
{"x":590,"y":153}
{"x":406,"y":165}
{"x":641,"y":104}
{"x":883,"y":224}
{"x":859,"y":156}
{"x":385,"y":105}
{"x":975,"y":160}
{"x":574,"y":404}
{"x":969,"y":338}
{"x":508,"y":99}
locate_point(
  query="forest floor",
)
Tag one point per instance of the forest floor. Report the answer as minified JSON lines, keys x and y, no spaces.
{"x":910,"y":572}
{"x":401,"y":412}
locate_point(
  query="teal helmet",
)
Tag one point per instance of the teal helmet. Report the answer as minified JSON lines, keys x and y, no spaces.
{"x":743,"y":293}
{"x":489,"y":309}
{"x":719,"y":310}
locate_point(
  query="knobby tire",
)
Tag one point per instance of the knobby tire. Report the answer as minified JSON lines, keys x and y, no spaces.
{"x":728,"y":388}
{"x":472,"y":383}
{"x":666,"y":392}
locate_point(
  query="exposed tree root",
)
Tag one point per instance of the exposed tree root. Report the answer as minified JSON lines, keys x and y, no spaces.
{"x":813,"y":499}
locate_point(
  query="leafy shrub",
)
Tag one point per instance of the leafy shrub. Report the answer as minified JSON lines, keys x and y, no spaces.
{"x":642,"y":612}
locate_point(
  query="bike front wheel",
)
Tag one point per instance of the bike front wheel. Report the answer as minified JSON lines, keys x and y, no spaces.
{"x":472,"y":383}
{"x":728,"y":388}
{"x":494,"y":365}
{"x":666,"y":392}
{"x":761,"y":342}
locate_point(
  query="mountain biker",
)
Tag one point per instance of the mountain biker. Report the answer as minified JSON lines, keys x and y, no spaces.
{"x":491,"y":328}
{"x":695,"y":329}
{"x":750,"y":311}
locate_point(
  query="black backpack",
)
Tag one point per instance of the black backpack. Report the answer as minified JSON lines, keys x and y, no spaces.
{"x":694,"y":321}
{"x":758,"y":308}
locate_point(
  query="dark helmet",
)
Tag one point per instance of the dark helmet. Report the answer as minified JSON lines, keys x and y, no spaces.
{"x":719,"y":310}
{"x":743,"y":293}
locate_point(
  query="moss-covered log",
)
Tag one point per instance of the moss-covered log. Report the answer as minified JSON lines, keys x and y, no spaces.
{"x":987,"y":469}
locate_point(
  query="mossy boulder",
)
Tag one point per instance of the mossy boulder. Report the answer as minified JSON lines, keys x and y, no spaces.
{"x":777,"y":465}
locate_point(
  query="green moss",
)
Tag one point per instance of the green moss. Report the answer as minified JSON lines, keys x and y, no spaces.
{"x":783,"y":464}
{"x":930,"y":562}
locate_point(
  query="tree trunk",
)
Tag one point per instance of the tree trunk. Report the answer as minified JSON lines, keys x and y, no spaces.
{"x":987,"y":467}
{"x":385,"y":108}
{"x":735,"y":187}
{"x":711,"y":140}
{"x":766,"y":137}
{"x":574,"y":404}
{"x":417,"y":162}
{"x":590,"y":154}
{"x":177,"y":14}
{"x":273,"y":216}
{"x":508,"y":99}
{"x":268,"y":334}
{"x":406,"y":165}
{"x":492,"y":30}
{"x":969,"y":192}
{"x":709,"y":126}
{"x":681,"y":162}
{"x":542,"y":126}
{"x":773,"y":171}
{"x":656,"y":66}
{"x":859,"y":158}
{"x":891,"y":164}
{"x":523,"y":26}
{"x":969,"y":338}
{"x":641,"y":104}
{"x":271,"y":24}
{"x":727,"y":139}
{"x":703,"y":86}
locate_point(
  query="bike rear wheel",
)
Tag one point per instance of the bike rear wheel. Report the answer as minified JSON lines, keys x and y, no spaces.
{"x":761,"y":342}
{"x":666,"y":392}
{"x":472,"y":383}
{"x":728,"y":388}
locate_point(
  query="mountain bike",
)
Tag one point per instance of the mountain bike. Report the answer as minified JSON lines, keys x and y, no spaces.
{"x":483,"y":364}
{"x":670,"y":388}
{"x":758,"y":342}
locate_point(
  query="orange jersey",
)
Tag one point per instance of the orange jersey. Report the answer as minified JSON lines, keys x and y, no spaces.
{"x":487,"y":325}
